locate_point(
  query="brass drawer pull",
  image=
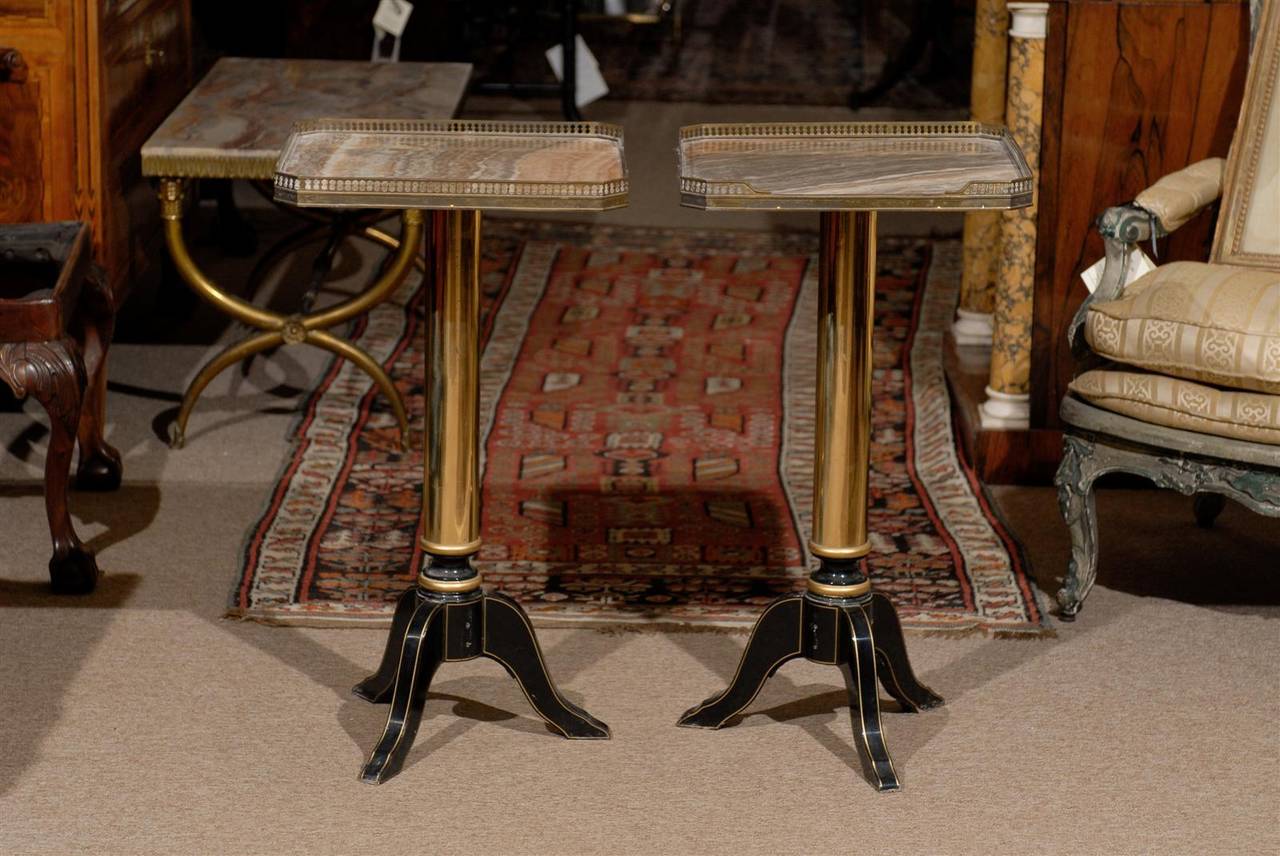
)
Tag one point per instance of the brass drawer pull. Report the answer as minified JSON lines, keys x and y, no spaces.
{"x":13,"y":68}
{"x":152,"y":55}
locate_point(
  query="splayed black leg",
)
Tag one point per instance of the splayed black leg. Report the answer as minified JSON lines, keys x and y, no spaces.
{"x":420,"y":654}
{"x":858,"y":665}
{"x":774,"y":640}
{"x":447,"y":618}
{"x":892,"y":664}
{"x":509,"y":639}
{"x":859,"y":634}
{"x":377,"y":687}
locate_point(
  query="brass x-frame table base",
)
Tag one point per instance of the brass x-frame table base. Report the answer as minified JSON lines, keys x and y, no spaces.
{"x":275,"y":329}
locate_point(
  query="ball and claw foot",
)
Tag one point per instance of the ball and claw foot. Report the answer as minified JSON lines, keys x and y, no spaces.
{"x":861,"y":636}
{"x":75,"y":571}
{"x":100,"y":471}
{"x":429,"y":629}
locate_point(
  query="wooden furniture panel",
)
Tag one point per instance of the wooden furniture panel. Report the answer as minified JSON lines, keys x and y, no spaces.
{"x":22,"y":161}
{"x":145,"y":63}
{"x":33,"y":9}
{"x":1133,"y":90}
{"x":98,"y":76}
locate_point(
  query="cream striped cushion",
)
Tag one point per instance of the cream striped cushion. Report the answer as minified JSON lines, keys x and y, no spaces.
{"x":1178,"y":403}
{"x":1214,"y":323}
{"x":1180,"y":195}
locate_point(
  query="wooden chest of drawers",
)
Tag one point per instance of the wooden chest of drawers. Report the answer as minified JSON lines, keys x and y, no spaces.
{"x":82,"y":85}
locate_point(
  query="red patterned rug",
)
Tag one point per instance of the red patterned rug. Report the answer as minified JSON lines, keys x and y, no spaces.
{"x":647,"y":419}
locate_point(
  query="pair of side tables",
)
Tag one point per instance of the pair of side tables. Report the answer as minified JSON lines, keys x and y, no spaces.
{"x":443,"y":174}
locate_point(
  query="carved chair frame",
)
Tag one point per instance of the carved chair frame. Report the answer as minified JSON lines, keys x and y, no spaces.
{"x":1098,"y":442}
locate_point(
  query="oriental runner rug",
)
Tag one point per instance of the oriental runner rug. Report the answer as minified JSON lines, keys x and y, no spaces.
{"x":647,"y":439}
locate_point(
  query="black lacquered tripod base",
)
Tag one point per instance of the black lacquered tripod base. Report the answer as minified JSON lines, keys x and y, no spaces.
{"x":862,"y":636}
{"x":430,"y":628}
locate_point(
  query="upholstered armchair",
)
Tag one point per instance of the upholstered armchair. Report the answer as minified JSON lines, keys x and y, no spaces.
{"x":1179,"y":376}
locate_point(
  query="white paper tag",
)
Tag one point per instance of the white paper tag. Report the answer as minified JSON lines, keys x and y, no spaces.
{"x":392,"y":16}
{"x":1139,"y":264}
{"x":589,"y":82}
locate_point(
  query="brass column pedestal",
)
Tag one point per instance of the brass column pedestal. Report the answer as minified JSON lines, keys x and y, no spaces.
{"x":847,"y":171}
{"x":447,"y":617}
{"x":453,"y":171}
{"x":838,"y":620}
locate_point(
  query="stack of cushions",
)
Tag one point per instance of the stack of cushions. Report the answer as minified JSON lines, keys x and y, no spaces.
{"x":1205,"y":343}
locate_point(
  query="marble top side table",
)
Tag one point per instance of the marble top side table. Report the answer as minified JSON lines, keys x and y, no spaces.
{"x":233,"y":125}
{"x":454,"y":171}
{"x":847,"y":171}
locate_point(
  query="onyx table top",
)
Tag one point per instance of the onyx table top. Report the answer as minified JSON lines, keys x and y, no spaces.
{"x":484,"y":165}
{"x":234,"y":123}
{"x":833,"y":166}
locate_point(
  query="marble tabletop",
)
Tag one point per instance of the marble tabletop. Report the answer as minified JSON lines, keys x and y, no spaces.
{"x":852,"y":165}
{"x":369,"y":163}
{"x":234,"y":123}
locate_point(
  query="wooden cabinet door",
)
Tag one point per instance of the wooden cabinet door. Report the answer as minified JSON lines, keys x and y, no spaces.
{"x":39,"y":169}
{"x":21,"y":158}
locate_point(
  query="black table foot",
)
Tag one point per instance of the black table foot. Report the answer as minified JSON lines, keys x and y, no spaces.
{"x":377,"y":687}
{"x":862,"y":636}
{"x":774,"y":640}
{"x":430,"y":628}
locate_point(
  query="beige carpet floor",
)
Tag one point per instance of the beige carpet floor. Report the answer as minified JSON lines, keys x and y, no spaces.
{"x":137,"y":720}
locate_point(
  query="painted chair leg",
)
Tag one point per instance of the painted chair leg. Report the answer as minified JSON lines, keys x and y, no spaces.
{"x":377,"y":688}
{"x":859,"y":670}
{"x":509,"y":639}
{"x":1207,"y":507}
{"x":893,"y":665}
{"x":774,"y":640}
{"x":421,"y":652}
{"x":1075,"y":478}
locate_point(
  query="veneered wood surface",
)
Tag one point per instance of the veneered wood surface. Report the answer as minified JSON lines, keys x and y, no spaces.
{"x":21,"y":155}
{"x":1133,"y":91}
{"x":100,"y":75}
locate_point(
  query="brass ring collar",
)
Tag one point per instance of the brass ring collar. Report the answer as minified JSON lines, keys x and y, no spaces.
{"x":824,"y":590}
{"x":840,"y":553}
{"x":449,"y":586}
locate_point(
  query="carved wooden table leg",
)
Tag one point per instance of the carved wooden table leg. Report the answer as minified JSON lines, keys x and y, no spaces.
{"x":99,"y":467}
{"x":53,"y":373}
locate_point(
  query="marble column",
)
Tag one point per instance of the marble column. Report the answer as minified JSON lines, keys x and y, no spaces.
{"x":982,"y":228}
{"x":1008,"y":404}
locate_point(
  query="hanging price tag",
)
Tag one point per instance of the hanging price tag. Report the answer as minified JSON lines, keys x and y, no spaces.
{"x":1139,"y":263}
{"x":388,"y":25}
{"x":392,"y":16}
{"x":590,"y":83}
